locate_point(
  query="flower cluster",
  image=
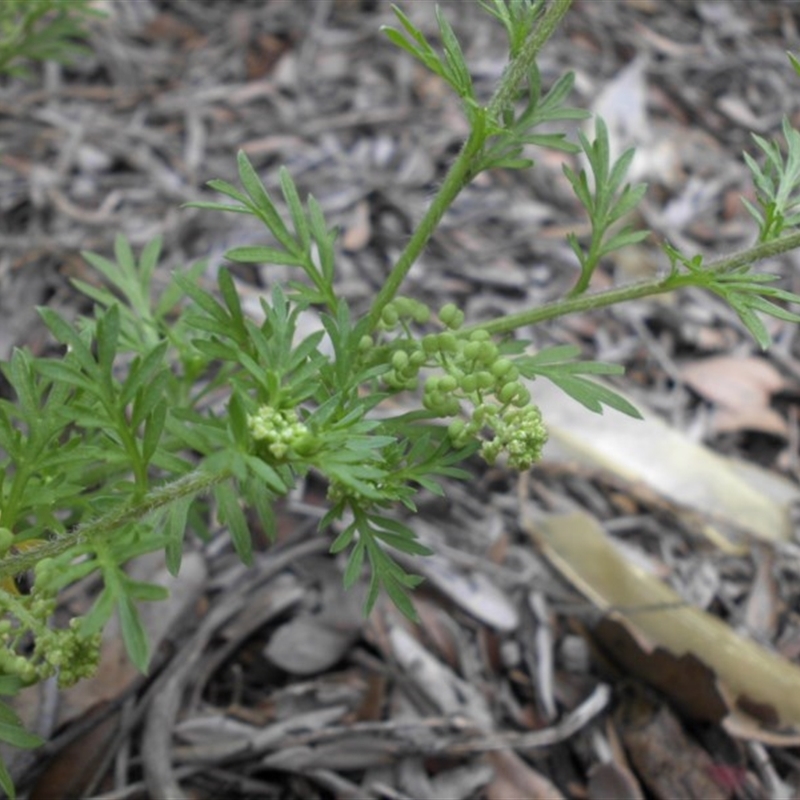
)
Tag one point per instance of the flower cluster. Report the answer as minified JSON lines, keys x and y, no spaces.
{"x":471,"y":372}
{"x":277,"y":429}
{"x":521,"y":433}
{"x":31,"y":649}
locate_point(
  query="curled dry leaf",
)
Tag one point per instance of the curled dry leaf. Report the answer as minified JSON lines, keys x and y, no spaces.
{"x":749,"y":678}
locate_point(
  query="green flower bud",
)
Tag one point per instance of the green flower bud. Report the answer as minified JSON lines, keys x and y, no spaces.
{"x":417,"y":358}
{"x":451,"y":316}
{"x":402,"y":305}
{"x":447,"y":342}
{"x":437,"y":400}
{"x":487,"y":352}
{"x":508,"y":392}
{"x":278,"y":449}
{"x":456,"y":428}
{"x":421,"y":314}
{"x":399,"y":359}
{"x":451,"y":407}
{"x":430,"y":343}
{"x":472,"y":350}
{"x":523,"y":397}
{"x":390,"y":317}
{"x":469,"y":383}
{"x":485,"y":380}
{"x":501,"y":367}
{"x":429,"y":401}
{"x":479,"y":335}
{"x":448,"y":383}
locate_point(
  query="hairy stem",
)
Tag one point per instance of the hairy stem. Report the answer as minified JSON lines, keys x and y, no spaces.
{"x":519,"y":69}
{"x":195,"y":482}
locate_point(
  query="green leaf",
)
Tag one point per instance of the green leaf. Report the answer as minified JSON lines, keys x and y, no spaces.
{"x":262,"y":203}
{"x":622,"y":239}
{"x":267,"y":474}
{"x":457,"y":70}
{"x":555,"y":365}
{"x":395,"y":534}
{"x":229,"y":294}
{"x":794,"y":62}
{"x":143,"y":372}
{"x":324,"y":239}
{"x":66,"y":373}
{"x":107,"y":338}
{"x":226,"y":207}
{"x":261,"y":499}
{"x":175,"y":530}
{"x":100,"y":613}
{"x":292,"y":198}
{"x":153,"y":428}
{"x":230,"y":512}
{"x":593,"y":396}
{"x":263,"y":255}
{"x":67,"y":335}
{"x":148,"y":260}
{"x":355,"y":563}
{"x":12,"y":732}
{"x":6,"y":783}
{"x":145,"y":592}
{"x":344,"y":539}
{"x":133,"y":633}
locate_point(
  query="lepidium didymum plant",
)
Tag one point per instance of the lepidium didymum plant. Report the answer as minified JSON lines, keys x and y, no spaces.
{"x":107,"y":449}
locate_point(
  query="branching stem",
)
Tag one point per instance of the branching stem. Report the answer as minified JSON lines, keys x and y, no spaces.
{"x":635,"y":291}
{"x":461,"y":172}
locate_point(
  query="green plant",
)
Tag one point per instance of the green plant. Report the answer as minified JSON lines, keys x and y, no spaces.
{"x":41,"y":30}
{"x":106,"y":449}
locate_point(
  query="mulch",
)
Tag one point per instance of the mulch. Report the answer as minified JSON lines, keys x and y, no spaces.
{"x":267,"y":681}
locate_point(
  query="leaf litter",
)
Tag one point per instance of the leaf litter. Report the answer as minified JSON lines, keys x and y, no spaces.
{"x":504,"y":690}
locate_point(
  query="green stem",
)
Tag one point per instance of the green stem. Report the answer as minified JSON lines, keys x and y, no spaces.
{"x":588,"y":266}
{"x":460,"y":173}
{"x":635,"y":291}
{"x":457,"y":178}
{"x":195,"y":482}
{"x":518,"y":70}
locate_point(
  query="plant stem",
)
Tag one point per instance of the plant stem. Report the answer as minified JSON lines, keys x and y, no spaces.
{"x":519,"y":69}
{"x":195,"y":482}
{"x":635,"y":291}
{"x":457,"y":177}
{"x":460,"y":173}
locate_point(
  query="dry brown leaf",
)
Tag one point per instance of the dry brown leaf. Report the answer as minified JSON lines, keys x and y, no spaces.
{"x":513,"y":777}
{"x":668,"y":761}
{"x":686,"y":680}
{"x":70,"y":772}
{"x":756,"y":680}
{"x":735,"y":383}
{"x":755,"y":418}
{"x":611,"y":781}
{"x":359,"y":231}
